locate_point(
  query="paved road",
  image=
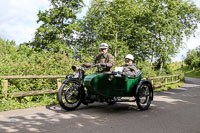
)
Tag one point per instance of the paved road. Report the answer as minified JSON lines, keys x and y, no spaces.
{"x":192,"y":80}
{"x":174,"y":111}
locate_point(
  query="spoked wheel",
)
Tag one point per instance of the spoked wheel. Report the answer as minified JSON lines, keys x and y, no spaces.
{"x":69,"y":96}
{"x":145,"y":96}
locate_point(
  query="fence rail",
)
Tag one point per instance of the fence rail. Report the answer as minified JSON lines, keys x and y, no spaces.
{"x":33,"y":77}
{"x":4,"y":83}
{"x":163,"y":81}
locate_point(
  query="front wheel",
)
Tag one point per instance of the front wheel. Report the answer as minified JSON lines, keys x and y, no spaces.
{"x":69,"y":95}
{"x":145,"y":96}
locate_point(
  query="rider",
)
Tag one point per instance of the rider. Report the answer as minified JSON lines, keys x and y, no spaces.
{"x":129,"y":68}
{"x":104,"y":59}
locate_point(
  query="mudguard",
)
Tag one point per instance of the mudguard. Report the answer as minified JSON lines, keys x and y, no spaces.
{"x":140,"y":84}
{"x":81,"y":87}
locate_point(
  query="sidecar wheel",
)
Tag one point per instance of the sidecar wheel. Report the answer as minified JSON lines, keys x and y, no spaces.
{"x":144,"y":96}
{"x":69,"y":96}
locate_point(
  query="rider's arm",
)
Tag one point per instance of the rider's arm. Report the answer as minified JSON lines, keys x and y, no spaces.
{"x":110,"y":62}
{"x":130,"y":70}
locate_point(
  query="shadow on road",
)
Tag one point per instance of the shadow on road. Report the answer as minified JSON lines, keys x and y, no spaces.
{"x":86,"y":116}
{"x":98,"y":115}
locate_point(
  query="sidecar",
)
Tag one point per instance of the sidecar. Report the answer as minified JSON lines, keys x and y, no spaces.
{"x":116,"y":85}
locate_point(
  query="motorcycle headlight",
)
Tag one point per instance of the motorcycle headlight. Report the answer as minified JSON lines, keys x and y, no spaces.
{"x":74,"y":68}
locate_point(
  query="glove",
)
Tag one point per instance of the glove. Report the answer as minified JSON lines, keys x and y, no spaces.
{"x":87,"y":65}
{"x":109,"y":64}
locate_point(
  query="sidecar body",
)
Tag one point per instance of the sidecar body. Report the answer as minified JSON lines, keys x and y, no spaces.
{"x":110,"y":85}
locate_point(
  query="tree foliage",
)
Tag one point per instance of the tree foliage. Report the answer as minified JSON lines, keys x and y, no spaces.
{"x":148,"y":29}
{"x":58,"y":26}
{"x":193,"y":58}
{"x":22,"y":60}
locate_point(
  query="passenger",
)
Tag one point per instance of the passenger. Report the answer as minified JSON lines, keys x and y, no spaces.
{"x":129,"y":68}
{"x":104,"y":59}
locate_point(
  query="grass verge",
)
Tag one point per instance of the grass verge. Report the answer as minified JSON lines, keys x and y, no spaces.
{"x":27,"y":102}
{"x":193,"y":73}
{"x":172,"y":86}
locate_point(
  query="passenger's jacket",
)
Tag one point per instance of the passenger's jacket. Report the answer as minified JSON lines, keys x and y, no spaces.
{"x":107,"y":59}
{"x":129,"y":69}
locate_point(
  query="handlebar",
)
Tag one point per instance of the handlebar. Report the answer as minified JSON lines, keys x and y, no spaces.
{"x":75,"y":68}
{"x":95,"y":65}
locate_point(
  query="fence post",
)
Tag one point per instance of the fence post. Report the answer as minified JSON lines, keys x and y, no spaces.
{"x":152,"y":82}
{"x":172,"y":78}
{"x":58,"y":83}
{"x":4,"y":84}
{"x":179,"y":77}
{"x":165,"y":82}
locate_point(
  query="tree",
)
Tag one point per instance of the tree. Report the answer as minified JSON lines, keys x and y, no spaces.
{"x":193,"y":59}
{"x":7,"y":47}
{"x":106,"y":22}
{"x":172,"y":21}
{"x":148,"y":29}
{"x":59,"y":25}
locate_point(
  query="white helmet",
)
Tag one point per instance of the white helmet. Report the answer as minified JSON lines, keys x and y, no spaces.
{"x":129,"y":56}
{"x":103,"y":45}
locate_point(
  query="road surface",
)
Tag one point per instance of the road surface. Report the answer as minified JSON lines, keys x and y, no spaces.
{"x":173,"y":111}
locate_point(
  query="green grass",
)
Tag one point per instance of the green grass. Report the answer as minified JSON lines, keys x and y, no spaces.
{"x":193,"y":73}
{"x":172,"y":86}
{"x":177,"y":68}
{"x":27,"y":102}
{"x":182,"y":68}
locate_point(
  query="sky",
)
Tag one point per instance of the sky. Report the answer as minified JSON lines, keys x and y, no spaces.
{"x":18,"y":22}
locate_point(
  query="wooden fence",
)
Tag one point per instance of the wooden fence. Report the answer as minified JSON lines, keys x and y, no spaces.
{"x":4,"y":83}
{"x":156,"y":82}
{"x":164,"y":80}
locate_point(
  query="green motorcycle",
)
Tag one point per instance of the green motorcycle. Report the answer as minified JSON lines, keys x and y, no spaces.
{"x":103,"y":87}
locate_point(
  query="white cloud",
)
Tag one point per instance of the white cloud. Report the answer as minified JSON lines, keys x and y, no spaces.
{"x":191,"y":43}
{"x":197,"y":2}
{"x":18,"y":18}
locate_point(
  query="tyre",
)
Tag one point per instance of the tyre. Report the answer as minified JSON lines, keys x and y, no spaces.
{"x":145,"y":96}
{"x":69,"y":95}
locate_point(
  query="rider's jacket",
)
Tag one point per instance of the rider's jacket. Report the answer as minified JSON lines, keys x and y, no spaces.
{"x":129,"y":69}
{"x":106,"y":59}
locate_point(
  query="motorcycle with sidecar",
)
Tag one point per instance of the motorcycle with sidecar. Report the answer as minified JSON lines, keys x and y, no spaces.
{"x":104,"y":87}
